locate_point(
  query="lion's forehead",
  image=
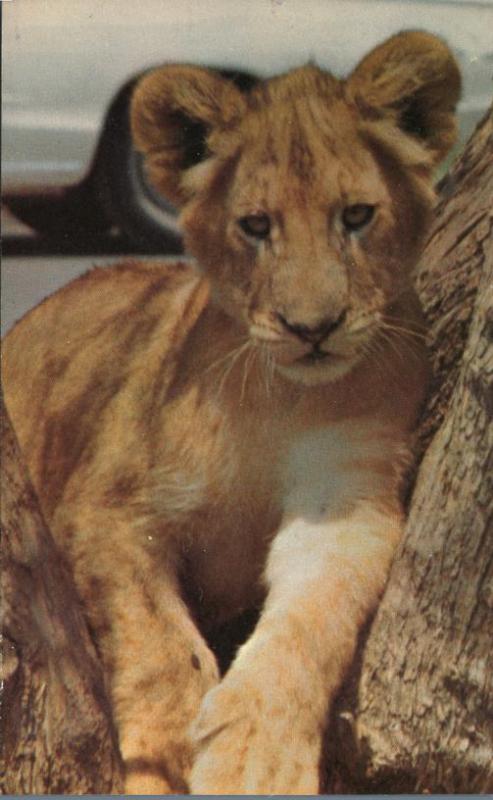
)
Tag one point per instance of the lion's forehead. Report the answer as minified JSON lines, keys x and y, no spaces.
{"x":289,"y":153}
{"x":274,"y":185}
{"x":280,"y":130}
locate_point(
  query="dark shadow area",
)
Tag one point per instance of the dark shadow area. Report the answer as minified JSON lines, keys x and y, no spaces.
{"x":225,"y":640}
{"x":106,"y":244}
{"x":70,"y":222}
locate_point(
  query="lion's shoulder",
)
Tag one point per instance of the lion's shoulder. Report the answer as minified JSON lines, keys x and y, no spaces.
{"x":109,"y":296}
{"x":74,"y":353}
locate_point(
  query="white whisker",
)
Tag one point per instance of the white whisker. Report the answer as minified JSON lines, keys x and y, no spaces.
{"x":408,"y":340}
{"x":268,"y":370}
{"x":235,"y":355}
{"x":406,"y":329}
{"x":246,"y":368}
{"x":375,"y":347}
{"x":226,"y":357}
{"x":401,"y":347}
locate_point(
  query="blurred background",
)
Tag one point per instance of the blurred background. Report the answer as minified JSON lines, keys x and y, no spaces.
{"x":73,"y":189}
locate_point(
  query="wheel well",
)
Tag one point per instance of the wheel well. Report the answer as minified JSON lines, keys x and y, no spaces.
{"x":142,"y":217}
{"x":115,"y":116}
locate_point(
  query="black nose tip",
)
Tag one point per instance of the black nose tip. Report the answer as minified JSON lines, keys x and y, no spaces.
{"x":316,"y":333}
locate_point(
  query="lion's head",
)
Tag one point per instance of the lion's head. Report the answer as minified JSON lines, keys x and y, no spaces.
{"x":307,"y":198}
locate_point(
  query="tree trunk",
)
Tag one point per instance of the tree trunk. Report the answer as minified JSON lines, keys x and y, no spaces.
{"x":57,"y":735}
{"x":417,"y":715}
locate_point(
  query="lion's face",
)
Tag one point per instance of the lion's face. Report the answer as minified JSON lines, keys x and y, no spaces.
{"x":309,"y":210}
{"x":305,"y":238}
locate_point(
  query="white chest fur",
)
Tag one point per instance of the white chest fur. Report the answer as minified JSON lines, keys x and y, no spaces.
{"x":330,"y":468}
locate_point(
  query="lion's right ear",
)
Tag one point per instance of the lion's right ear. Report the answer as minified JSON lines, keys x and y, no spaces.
{"x":413,"y":80}
{"x":174,"y":111}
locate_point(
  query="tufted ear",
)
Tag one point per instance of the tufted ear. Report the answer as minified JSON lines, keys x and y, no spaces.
{"x":413,"y":79}
{"x":174,"y":111}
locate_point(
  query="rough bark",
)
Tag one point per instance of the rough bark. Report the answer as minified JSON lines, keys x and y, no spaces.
{"x":417,"y":715}
{"x":56,"y":730}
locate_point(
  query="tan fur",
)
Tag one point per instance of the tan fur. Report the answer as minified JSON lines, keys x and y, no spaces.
{"x":182,"y":435}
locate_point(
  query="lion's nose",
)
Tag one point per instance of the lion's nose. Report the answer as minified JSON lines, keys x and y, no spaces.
{"x":313,"y":334}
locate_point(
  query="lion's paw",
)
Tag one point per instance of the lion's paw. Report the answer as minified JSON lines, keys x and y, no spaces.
{"x":254,"y":740}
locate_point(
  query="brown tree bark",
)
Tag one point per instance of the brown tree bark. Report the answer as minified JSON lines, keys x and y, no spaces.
{"x":56,"y":731}
{"x":417,"y":715}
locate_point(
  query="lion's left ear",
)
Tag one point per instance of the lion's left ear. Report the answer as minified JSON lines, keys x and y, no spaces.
{"x":413,"y":78}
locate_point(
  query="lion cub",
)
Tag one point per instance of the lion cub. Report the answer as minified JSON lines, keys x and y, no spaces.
{"x":211,"y":436}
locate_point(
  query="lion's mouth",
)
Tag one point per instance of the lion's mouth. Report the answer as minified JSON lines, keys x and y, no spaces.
{"x":315,"y":356}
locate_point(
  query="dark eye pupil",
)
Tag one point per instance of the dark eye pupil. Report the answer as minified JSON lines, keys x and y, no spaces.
{"x":256,"y":225}
{"x":357,"y":216}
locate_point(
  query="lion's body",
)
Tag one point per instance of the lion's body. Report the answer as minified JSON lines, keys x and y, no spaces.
{"x":202,"y":445}
{"x":173,"y":442}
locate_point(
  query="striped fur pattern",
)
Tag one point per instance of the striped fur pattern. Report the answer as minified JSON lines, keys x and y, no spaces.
{"x":210,"y":435}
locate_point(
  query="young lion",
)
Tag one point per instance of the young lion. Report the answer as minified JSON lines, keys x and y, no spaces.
{"x":206,"y":437}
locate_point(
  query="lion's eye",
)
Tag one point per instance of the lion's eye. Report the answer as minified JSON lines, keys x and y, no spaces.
{"x":356,"y":217}
{"x":255,"y":225}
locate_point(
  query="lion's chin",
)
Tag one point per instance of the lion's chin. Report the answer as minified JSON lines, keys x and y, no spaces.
{"x":315,"y":372}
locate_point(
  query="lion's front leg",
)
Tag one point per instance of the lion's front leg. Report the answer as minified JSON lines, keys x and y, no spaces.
{"x":260,"y":730}
{"x":157,"y":665}
{"x":162,"y":669}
